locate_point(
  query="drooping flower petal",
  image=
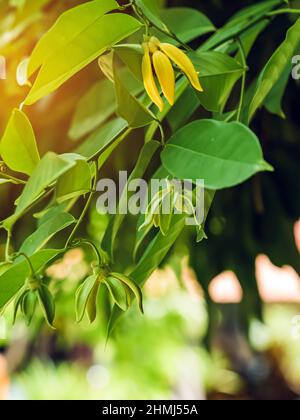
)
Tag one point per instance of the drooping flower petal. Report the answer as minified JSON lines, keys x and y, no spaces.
{"x":165,"y":74}
{"x":183,"y":62}
{"x":149,"y":81}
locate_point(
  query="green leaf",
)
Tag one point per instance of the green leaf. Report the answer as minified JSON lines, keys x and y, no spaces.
{"x":142,"y":164}
{"x":131,"y":56}
{"x":14,"y":278}
{"x":222,"y":154}
{"x":245,"y":18}
{"x":273,"y":101}
{"x":4,"y":266}
{"x":218,"y":74}
{"x":78,"y":38}
{"x":117,"y":292}
{"x":93,"y":109}
{"x":129,"y":108}
{"x":47,"y":304}
{"x":151,"y":10}
{"x":50,"y":168}
{"x":249,"y":37}
{"x":37,"y":240}
{"x":253,"y":12}
{"x":275,"y":67}
{"x":185,"y":107}
{"x":188,"y":24}
{"x":74,"y":183}
{"x":98,"y":104}
{"x":101,"y":139}
{"x":83,"y":294}
{"x":67,"y":28}
{"x":18,"y":145}
{"x":105,"y":62}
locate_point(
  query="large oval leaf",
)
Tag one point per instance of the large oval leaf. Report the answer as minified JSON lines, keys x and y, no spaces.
{"x":74,"y":42}
{"x":18,"y":145}
{"x":218,"y":74}
{"x":67,"y":27}
{"x":275,"y":67}
{"x":223,"y":154}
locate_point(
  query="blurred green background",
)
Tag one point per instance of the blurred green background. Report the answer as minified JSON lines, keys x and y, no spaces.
{"x":202,"y":336}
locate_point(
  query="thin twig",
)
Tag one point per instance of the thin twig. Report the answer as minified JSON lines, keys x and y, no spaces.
{"x":244,"y":63}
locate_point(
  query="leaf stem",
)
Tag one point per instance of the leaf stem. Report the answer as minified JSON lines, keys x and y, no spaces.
{"x":149,"y":23}
{"x":244,"y":63}
{"x":7,"y":246}
{"x":284,"y":11}
{"x":86,"y":207}
{"x":13,"y":179}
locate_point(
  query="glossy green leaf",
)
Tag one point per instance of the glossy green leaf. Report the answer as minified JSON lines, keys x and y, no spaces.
{"x":67,"y":28}
{"x":105,"y":62}
{"x":4,"y":266}
{"x":222,"y":154}
{"x":131,"y":56}
{"x":151,"y":10}
{"x":50,"y":168}
{"x":93,"y":109}
{"x":237,"y":24}
{"x":273,"y":101}
{"x":185,"y":107}
{"x":218,"y":74}
{"x":98,"y":104}
{"x":253,"y":11}
{"x":102,"y":138}
{"x":18,"y":146}
{"x":65,"y":52}
{"x":45,"y":232}
{"x":275,"y":67}
{"x":14,"y":278}
{"x":74,"y":183}
{"x":129,"y":108}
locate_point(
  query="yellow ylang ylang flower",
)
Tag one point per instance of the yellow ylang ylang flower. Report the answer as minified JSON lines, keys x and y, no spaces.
{"x":157,"y":61}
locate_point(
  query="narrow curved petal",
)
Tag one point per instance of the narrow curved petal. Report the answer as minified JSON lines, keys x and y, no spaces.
{"x":165,"y":74}
{"x":149,"y":81}
{"x":184,"y":63}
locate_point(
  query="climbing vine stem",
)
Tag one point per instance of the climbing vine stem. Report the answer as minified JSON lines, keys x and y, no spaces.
{"x":244,"y":63}
{"x":86,"y":207}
